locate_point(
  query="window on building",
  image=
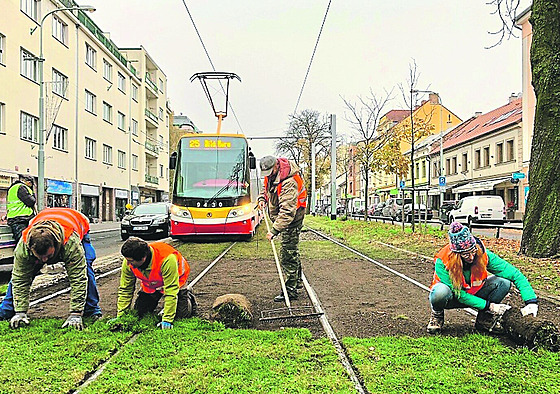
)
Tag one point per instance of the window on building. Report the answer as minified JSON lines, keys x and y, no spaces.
{"x":107,"y":112}
{"x":477,"y":158}
{"x":28,"y":127}
{"x":447,"y":166}
{"x":135,"y":162}
{"x":510,"y":150}
{"x":161,"y":85}
{"x":60,"y":138}
{"x":454,"y":165}
{"x":134,"y":127}
{"x":28,"y":65}
{"x":107,"y":70}
{"x":91,"y":149}
{"x":160,"y":141}
{"x":90,"y":102}
{"x":59,"y":83}
{"x":134,"y":92}
{"x":122,"y":83}
{"x":59,"y":30}
{"x":30,"y":8}
{"x":486,"y":156}
{"x":2,"y":117}
{"x":465,"y":164}
{"x":499,"y":152}
{"x":436,"y":171}
{"x":2,"y":48}
{"x":107,"y":154}
{"x":121,"y":120}
{"x":161,"y":170}
{"x":121,"y":159}
{"x":161,"y":113}
{"x":424,"y":169}
{"x":91,"y":57}
{"x":417,"y":170}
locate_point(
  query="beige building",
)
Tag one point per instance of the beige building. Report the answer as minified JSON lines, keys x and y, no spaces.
{"x":106,"y":114}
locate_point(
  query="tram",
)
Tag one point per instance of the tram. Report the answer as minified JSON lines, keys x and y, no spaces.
{"x":215,"y":186}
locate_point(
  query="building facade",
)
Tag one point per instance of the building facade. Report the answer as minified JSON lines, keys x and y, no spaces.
{"x":106,"y":121}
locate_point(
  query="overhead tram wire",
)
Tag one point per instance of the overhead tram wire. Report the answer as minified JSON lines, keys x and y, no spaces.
{"x":211,"y":63}
{"x":312,"y":56}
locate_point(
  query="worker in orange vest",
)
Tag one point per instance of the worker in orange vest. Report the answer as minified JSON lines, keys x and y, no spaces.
{"x":163,"y":272}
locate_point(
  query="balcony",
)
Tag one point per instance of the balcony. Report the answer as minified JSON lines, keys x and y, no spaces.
{"x":151,"y":179}
{"x":151,"y":84}
{"x":151,"y":116}
{"x":151,"y":148}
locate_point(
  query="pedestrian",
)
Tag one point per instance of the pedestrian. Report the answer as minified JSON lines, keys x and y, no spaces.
{"x":163,"y":272}
{"x":469,"y":275}
{"x":20,"y":205}
{"x":286,"y":197}
{"x":54,"y":235}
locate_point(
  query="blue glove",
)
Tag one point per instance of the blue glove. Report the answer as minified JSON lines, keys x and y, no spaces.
{"x":165,"y":325}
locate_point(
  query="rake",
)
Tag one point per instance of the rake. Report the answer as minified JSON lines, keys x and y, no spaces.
{"x":289,"y":312}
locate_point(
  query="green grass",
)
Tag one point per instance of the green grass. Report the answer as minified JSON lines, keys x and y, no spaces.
{"x":202,"y":251}
{"x":43,"y":358}
{"x":201,"y":357}
{"x":3,"y":289}
{"x":472,"y":364}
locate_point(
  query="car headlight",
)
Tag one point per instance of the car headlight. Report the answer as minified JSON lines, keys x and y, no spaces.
{"x":242,"y":210}
{"x":180,"y":211}
{"x":159,"y":221}
{"x":125,"y":222}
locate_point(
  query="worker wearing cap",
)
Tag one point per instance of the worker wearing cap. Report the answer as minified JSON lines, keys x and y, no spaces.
{"x":20,"y":205}
{"x":286,"y":197}
{"x":469,"y":275}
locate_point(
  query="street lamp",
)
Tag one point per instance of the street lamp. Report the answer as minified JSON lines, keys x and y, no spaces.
{"x":40,"y":60}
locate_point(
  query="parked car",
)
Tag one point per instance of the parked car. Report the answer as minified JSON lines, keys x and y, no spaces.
{"x":445,"y":208}
{"x":420,"y":213}
{"x":378,"y":210}
{"x":393,"y":204}
{"x":151,"y":219}
{"x":481,"y":209}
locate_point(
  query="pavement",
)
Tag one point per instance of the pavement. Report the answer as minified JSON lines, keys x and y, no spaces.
{"x":102,"y":227}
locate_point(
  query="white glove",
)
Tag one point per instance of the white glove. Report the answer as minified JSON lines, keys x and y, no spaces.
{"x":19,"y":320}
{"x":498,"y":309}
{"x":530,"y":309}
{"x":74,"y":320}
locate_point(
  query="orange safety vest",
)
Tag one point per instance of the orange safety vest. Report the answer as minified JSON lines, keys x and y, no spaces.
{"x":71,"y":221}
{"x":302,"y":192}
{"x":160,"y":251}
{"x":477,"y":278}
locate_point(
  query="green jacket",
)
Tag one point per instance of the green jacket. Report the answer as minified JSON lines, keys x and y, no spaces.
{"x":496,"y":266}
{"x":71,"y":254}
{"x":170,"y":290}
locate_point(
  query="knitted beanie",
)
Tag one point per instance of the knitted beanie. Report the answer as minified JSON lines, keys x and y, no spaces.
{"x":460,"y":238}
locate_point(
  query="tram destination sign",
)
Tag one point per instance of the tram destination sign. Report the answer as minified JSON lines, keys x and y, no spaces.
{"x":207,"y":143}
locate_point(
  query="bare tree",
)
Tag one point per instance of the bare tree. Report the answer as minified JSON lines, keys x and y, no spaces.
{"x":364,"y":117}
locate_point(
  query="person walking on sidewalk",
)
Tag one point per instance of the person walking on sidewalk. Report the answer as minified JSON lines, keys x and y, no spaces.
{"x":162,"y":271}
{"x":20,"y":205}
{"x":469,"y":275}
{"x":286,"y":197}
{"x":55,"y":234}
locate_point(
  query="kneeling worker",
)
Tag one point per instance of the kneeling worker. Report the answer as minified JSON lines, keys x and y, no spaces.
{"x":162,"y":271}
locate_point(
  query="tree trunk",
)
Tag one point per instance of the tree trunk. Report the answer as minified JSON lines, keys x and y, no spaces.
{"x":531,"y":332}
{"x":541,"y":235}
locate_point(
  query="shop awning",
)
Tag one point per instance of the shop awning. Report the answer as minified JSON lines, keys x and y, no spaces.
{"x":479,"y":186}
{"x":434,"y":192}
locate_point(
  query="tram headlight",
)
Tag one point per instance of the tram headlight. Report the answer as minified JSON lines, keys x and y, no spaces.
{"x":180,"y":211}
{"x":240,"y":211}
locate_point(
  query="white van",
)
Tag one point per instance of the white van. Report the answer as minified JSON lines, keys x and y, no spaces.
{"x":479,"y":209}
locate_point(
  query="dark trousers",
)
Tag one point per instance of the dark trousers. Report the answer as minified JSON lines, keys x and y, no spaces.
{"x":289,"y":257}
{"x":18,"y":225}
{"x":147,"y":303}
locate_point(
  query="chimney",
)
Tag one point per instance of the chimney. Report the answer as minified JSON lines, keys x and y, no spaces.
{"x":434,"y":98}
{"x":512,"y":97}
{"x":477,"y":114}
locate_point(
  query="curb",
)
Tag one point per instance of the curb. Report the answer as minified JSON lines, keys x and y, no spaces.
{"x":104,"y":230}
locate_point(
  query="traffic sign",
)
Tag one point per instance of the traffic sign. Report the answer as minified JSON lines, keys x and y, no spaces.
{"x":518,"y":175}
{"x":442,"y":181}
{"x":402,"y":184}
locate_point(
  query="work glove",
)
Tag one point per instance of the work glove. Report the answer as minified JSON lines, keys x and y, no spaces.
{"x":530,"y":309}
{"x":19,"y":320}
{"x":165,"y":325}
{"x":74,"y":320}
{"x":498,"y":309}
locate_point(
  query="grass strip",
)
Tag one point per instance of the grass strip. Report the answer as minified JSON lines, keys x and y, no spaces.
{"x":471,"y":364}
{"x":43,"y":358}
{"x":202,"y":357}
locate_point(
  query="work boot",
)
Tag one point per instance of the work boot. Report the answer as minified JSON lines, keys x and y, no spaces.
{"x":280,"y":297}
{"x":436,"y":322}
{"x":488,"y":322}
{"x":299,"y":285}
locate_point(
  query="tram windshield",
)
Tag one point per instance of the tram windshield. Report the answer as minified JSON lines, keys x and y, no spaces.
{"x":212,"y":167}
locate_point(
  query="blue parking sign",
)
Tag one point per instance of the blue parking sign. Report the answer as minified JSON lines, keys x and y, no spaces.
{"x":442,"y":181}
{"x":402,"y":184}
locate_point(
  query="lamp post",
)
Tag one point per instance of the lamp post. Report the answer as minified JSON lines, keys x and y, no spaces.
{"x":40,"y":60}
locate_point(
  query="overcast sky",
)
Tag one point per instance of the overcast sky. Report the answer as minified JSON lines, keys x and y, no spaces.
{"x":365,"y":44}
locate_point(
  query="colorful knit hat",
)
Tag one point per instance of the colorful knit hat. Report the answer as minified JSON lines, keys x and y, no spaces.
{"x":460,"y":238}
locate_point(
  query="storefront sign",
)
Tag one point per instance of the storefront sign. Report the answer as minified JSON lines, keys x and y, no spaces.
{"x":135,"y":195}
{"x":87,"y":190}
{"x":5,"y":181}
{"x":59,"y":187}
{"x":121,"y":193}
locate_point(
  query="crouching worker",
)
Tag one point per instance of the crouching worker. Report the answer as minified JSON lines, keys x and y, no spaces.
{"x":162,"y":271}
{"x":462,"y":279}
{"x":54,"y":235}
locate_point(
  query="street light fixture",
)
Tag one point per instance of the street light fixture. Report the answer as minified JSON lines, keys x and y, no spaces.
{"x":40,"y":60}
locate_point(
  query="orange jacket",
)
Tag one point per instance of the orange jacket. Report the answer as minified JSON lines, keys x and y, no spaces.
{"x":160,"y":251}
{"x":302,"y":192}
{"x":71,"y":221}
{"x":478,"y":277}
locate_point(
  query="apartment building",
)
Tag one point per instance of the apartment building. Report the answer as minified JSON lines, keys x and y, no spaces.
{"x":106,"y":116}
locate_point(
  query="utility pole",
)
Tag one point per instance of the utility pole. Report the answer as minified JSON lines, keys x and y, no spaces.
{"x":411,"y":154}
{"x":313,"y":200}
{"x":333,"y":167}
